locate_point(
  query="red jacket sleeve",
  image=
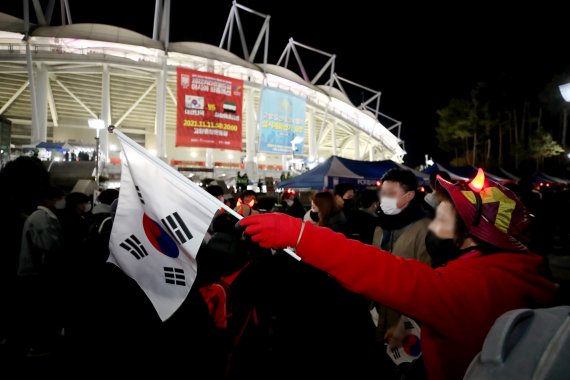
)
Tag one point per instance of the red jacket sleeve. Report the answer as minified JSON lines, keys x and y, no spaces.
{"x":413,"y":288}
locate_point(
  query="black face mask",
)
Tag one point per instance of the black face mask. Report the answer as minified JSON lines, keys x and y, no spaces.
{"x":314,"y":216}
{"x":441,"y":251}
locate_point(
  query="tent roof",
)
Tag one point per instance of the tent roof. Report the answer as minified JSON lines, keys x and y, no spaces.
{"x":553,"y":179}
{"x":462,"y":173}
{"x":315,"y":178}
{"x":345,"y":168}
{"x":53,"y":145}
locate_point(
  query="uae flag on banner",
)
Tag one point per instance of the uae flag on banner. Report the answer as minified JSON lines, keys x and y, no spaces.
{"x":159,"y":225}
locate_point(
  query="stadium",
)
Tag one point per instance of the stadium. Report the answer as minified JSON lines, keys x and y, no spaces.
{"x":57,"y":78}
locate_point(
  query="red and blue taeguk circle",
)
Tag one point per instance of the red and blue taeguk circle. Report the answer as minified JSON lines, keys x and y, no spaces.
{"x":159,"y":238}
{"x":412,"y":345}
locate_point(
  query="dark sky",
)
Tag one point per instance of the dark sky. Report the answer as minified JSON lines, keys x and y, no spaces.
{"x":419,"y":56}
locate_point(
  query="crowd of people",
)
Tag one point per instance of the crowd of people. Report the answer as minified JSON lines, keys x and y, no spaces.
{"x":451,"y":260}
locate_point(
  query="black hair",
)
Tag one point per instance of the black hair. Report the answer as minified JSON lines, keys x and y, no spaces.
{"x":405,"y":178}
{"x":342,"y":188}
{"x":433,"y":177}
{"x":108,"y":196}
{"x":76,"y":198}
{"x":368,"y":197}
{"x":215,"y":190}
{"x":247,"y":193}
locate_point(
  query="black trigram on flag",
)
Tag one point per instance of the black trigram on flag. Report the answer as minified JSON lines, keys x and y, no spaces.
{"x":139,"y":194}
{"x":174,"y":276}
{"x":133,"y":245}
{"x":396,"y":352}
{"x":177,"y":228}
{"x":408,"y":325}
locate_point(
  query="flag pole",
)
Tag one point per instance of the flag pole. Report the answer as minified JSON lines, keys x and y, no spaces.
{"x":133,"y":144}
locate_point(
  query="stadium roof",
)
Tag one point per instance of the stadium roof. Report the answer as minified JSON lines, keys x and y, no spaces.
{"x":210,"y":52}
{"x":98,"y":32}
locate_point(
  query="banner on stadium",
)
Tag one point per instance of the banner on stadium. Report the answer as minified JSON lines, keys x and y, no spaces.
{"x":282,"y":122}
{"x":209,"y":110}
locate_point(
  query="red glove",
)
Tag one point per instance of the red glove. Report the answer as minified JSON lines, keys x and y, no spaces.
{"x":273,"y":230}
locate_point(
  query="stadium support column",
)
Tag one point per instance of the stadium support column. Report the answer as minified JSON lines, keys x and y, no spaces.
{"x":209,"y":158}
{"x":357,"y":145}
{"x":161,"y":80}
{"x":39,"y":127}
{"x":251,"y":130}
{"x":105,"y":112}
{"x":313,"y":152}
{"x":333,"y":137}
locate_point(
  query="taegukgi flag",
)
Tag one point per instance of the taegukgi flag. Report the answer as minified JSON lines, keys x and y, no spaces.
{"x":159,"y":225}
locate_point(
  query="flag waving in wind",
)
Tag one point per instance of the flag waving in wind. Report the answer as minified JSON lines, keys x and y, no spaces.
{"x":159,"y":225}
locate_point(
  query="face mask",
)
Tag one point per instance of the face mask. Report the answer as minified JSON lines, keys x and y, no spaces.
{"x":87,"y":207}
{"x":431,"y":200}
{"x":289,"y":202}
{"x":389,"y":206}
{"x":60,"y":204}
{"x":441,"y":251}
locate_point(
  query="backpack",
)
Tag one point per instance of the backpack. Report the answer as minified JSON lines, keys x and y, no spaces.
{"x":525,"y":344}
{"x":96,"y":244}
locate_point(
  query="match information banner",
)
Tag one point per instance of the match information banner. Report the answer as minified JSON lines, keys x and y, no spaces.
{"x":209,"y":110}
{"x":282,"y":122}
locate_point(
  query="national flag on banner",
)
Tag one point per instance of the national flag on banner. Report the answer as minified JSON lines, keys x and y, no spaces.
{"x":159,"y":225}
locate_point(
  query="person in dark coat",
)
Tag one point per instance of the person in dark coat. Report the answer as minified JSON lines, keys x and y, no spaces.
{"x":291,"y":205}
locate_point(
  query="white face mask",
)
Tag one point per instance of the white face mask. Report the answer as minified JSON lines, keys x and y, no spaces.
{"x":431,"y":200}
{"x":389,"y":206}
{"x":87,"y":207}
{"x":60,"y":204}
{"x":289,"y":202}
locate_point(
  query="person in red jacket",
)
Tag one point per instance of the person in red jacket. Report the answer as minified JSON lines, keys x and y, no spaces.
{"x":456,"y":304}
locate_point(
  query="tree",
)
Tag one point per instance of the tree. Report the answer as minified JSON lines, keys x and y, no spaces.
{"x":542,"y":145}
{"x":456,"y":126}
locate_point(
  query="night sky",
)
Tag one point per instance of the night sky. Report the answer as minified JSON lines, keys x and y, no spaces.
{"x":419,"y":56}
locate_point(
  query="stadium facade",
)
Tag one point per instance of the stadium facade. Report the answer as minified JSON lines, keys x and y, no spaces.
{"x":91,"y":71}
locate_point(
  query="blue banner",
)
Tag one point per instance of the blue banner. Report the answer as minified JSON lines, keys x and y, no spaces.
{"x":282,"y":122}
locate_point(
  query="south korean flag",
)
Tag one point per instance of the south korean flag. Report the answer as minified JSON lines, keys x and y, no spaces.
{"x":159,"y":225}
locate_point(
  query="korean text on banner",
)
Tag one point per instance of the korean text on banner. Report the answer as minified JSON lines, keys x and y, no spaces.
{"x":209,"y":110}
{"x":282,"y":122}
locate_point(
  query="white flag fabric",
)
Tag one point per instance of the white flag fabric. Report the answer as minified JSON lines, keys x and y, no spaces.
{"x":159,"y":225}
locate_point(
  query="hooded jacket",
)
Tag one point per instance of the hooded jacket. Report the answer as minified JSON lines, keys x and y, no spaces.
{"x":456,"y":304}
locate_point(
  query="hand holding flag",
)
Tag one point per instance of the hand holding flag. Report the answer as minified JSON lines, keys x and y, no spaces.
{"x":274,"y":230}
{"x":160,"y":223}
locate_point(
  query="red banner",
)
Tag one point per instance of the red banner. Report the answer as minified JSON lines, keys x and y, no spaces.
{"x":209,"y":108}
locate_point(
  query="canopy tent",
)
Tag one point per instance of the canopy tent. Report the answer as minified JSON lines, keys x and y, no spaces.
{"x":54,"y":146}
{"x":550,"y":178}
{"x":440,"y":168}
{"x":509,"y":174}
{"x":338,"y":169}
